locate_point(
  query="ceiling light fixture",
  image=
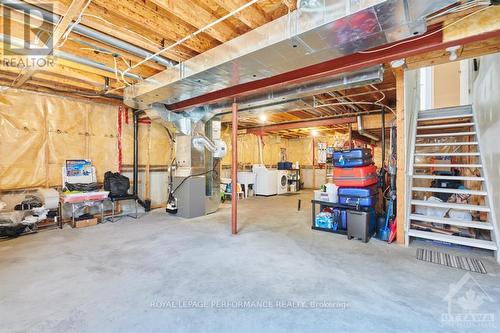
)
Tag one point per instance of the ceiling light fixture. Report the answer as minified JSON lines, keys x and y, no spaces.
{"x":314,"y":133}
{"x":452,"y":50}
{"x":262,"y":117}
{"x":398,"y":63}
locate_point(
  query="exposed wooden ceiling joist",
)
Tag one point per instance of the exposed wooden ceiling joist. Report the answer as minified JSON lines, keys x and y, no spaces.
{"x":75,"y":8}
{"x":252,"y":16}
{"x":198,"y":17}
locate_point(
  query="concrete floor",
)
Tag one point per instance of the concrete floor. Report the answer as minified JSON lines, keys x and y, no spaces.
{"x":172,"y":275}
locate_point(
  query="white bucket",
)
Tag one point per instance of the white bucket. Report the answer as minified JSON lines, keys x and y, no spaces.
{"x":332,"y":191}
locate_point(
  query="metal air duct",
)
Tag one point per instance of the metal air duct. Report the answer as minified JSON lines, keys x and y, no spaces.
{"x":302,"y":38}
{"x":185,"y":120}
{"x":84,"y":31}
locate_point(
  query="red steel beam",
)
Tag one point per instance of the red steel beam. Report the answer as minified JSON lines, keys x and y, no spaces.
{"x":431,"y":42}
{"x":300,"y":124}
{"x":234,"y":170}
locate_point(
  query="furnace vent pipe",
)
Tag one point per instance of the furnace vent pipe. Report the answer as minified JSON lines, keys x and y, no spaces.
{"x":362,"y":131}
{"x":200,"y":141}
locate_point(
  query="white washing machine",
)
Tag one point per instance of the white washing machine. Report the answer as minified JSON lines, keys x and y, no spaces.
{"x":265,"y":181}
{"x":282,"y":181}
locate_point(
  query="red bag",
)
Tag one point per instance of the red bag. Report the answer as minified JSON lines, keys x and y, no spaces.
{"x":355,"y":177}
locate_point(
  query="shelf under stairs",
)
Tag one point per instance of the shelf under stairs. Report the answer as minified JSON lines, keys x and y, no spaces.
{"x":447,"y":140}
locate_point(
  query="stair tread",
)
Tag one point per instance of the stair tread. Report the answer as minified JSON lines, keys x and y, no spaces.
{"x":453,"y":125}
{"x":479,"y":243}
{"x":447,"y":154}
{"x":445,"y":134}
{"x":473,"y":178}
{"x":458,"y":223}
{"x":448,"y":190}
{"x":450,"y":205}
{"x":439,"y":144}
{"x":446,"y":117}
{"x":441,"y":110}
{"x":448,"y":165}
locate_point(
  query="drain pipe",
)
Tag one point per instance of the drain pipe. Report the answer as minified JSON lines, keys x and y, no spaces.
{"x":135,"y":173}
{"x":362,"y":131}
{"x":261,"y":158}
{"x":88,"y":32}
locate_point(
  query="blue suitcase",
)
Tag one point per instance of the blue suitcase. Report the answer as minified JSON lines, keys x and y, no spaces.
{"x":352,"y":158}
{"x":358,"y":196}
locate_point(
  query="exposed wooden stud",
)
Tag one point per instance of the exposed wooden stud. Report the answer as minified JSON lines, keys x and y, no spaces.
{"x":401,"y":157}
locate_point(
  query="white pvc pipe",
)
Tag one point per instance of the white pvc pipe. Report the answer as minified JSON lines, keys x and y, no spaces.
{"x":261,"y":158}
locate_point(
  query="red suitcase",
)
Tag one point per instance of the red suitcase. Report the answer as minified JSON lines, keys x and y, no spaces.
{"x":355,"y":177}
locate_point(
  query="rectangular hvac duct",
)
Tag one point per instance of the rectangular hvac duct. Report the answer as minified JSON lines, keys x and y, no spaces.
{"x":302,"y":38}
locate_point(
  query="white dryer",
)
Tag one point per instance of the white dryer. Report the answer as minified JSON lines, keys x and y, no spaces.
{"x":282,"y":181}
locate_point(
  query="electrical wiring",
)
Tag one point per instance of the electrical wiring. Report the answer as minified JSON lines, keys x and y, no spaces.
{"x":354,"y":103}
{"x":115,"y":89}
{"x":77,"y":21}
{"x":156,"y":44}
{"x":460,"y":8}
{"x":190,"y":176}
{"x":128,"y":66}
{"x":116,"y":69}
{"x":376,"y":89}
{"x":425,"y":36}
{"x":96,"y":50}
{"x":188,"y":37}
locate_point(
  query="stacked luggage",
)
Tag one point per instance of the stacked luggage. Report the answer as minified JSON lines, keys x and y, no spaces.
{"x":356,"y":175}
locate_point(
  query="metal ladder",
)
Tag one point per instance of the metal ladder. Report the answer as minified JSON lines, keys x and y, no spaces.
{"x":451,"y":135}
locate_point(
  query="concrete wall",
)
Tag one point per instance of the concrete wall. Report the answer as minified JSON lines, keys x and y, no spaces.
{"x":486,"y":100}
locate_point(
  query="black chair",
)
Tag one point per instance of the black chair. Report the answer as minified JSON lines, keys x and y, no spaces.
{"x":115,"y":199}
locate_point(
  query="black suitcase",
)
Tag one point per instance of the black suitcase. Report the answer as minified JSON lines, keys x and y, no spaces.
{"x":445,"y":183}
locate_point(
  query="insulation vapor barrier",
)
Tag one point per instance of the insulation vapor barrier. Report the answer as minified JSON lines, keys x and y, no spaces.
{"x":38,"y":132}
{"x":297,"y":150}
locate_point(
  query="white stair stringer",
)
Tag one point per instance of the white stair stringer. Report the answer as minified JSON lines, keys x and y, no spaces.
{"x":433,"y":122}
{"x":489,"y":198}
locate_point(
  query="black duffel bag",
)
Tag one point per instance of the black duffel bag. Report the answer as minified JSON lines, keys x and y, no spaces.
{"x":116,"y":184}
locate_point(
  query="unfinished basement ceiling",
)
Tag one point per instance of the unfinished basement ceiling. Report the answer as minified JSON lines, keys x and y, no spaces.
{"x":331,"y":30}
{"x":145,"y":24}
{"x":149,"y":25}
{"x":384,"y":93}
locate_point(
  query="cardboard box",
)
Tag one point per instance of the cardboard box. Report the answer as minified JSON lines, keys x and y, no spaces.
{"x":85,"y":223}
